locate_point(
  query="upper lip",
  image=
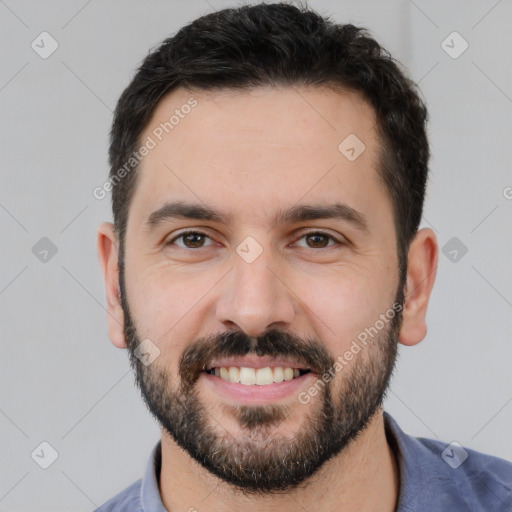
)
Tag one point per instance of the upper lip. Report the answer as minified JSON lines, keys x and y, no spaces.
{"x":252,"y":361}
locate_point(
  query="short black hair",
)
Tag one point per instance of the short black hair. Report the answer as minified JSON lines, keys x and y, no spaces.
{"x":274,"y":45}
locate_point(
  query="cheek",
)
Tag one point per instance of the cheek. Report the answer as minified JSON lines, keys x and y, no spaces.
{"x":342,"y":305}
{"x":164,"y":306}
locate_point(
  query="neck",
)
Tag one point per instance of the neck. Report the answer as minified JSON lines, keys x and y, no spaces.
{"x":363,"y":477}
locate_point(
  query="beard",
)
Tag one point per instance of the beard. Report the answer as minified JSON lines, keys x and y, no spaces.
{"x":265,"y":460}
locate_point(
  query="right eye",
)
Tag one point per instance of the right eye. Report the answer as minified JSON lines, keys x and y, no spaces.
{"x":190,"y":239}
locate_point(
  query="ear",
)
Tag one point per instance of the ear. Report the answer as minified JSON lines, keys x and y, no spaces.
{"x":421,"y":274}
{"x":107,"y":254}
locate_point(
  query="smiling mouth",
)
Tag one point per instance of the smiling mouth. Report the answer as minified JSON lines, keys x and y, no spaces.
{"x":256,"y":376}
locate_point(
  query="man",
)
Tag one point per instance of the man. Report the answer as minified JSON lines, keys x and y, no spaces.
{"x":268,"y":171}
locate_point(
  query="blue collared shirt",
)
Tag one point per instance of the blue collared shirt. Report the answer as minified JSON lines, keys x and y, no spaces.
{"x":434,"y":477}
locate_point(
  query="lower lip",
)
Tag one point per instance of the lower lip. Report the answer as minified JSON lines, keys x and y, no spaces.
{"x":256,"y":394}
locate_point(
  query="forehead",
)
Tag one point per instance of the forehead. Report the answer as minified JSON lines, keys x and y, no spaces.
{"x":258,"y":149}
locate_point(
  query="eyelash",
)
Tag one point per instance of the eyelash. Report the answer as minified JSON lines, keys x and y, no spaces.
{"x":316,"y":232}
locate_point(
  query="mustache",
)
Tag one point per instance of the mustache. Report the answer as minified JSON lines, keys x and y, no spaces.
{"x":274,"y":343}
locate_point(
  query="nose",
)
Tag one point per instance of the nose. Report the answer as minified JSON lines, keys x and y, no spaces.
{"x":255,"y":298}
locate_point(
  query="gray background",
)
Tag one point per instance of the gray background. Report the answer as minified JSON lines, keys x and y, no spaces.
{"x":61,"y":379}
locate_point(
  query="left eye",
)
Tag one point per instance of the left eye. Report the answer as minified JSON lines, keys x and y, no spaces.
{"x":319,"y":239}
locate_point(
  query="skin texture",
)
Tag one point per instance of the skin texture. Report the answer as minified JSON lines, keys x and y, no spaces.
{"x":251,"y":154}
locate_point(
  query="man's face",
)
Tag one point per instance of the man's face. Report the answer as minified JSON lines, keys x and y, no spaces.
{"x":260,"y":289}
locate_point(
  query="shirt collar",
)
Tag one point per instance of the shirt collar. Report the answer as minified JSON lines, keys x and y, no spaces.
{"x":150,"y":500}
{"x":426,"y":482}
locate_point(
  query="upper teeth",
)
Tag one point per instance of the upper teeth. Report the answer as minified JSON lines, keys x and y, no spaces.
{"x":259,"y":376}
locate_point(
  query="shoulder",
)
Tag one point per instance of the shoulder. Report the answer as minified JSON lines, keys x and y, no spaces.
{"x":437,"y":475}
{"x":126,"y":501}
{"x":484,"y":480}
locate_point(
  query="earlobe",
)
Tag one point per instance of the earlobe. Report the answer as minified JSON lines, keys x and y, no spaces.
{"x":107,"y":246}
{"x":421,"y":273}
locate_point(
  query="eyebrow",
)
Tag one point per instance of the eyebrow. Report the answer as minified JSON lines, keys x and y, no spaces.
{"x":183,"y":210}
{"x":338,"y":211}
{"x":295,"y":214}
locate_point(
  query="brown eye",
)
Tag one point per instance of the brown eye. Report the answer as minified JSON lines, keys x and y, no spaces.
{"x":318,"y":240}
{"x":190,"y":240}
